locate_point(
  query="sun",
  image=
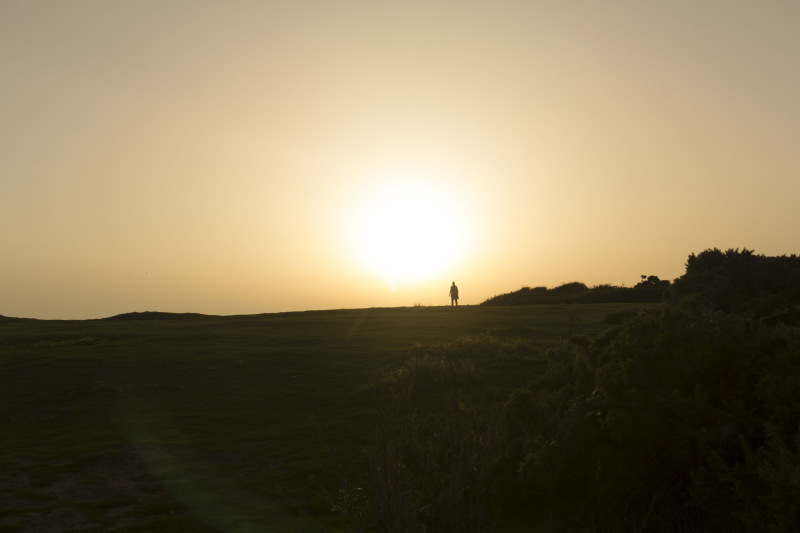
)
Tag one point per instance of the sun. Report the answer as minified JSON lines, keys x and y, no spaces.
{"x":409,"y":231}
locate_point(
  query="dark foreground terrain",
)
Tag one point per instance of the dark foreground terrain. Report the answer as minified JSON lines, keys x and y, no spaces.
{"x":162,"y":422}
{"x":680,"y":416}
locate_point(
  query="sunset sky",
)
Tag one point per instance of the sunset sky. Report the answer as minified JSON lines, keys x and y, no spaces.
{"x":247,"y":157}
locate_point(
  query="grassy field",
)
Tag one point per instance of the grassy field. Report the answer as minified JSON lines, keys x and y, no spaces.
{"x":153,"y":422}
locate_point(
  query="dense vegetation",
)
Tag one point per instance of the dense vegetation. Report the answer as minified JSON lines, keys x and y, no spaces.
{"x":681,"y":418}
{"x":649,"y":289}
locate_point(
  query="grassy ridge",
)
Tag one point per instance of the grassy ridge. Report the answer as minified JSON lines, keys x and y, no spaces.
{"x":170,"y":422}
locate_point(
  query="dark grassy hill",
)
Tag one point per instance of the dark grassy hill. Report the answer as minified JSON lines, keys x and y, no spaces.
{"x":649,"y":290}
{"x":156,"y":315}
{"x":162,"y":422}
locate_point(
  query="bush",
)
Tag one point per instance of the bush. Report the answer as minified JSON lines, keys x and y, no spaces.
{"x":741,"y":282}
{"x":650,"y":290}
{"x":684,"y":418}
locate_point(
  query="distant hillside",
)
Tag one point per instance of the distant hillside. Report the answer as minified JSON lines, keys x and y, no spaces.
{"x":650,"y":289}
{"x":156,"y":315}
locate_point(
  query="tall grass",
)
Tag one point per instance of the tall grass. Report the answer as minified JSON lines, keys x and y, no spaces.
{"x":438,"y":441}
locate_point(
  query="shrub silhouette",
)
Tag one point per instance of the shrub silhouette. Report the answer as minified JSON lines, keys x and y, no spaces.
{"x":742,"y":282}
{"x":650,"y":289}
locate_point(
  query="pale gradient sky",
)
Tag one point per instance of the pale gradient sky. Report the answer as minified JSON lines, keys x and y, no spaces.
{"x":226,"y":157}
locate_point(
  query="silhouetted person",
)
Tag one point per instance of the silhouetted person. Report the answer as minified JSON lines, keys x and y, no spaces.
{"x":453,"y":294}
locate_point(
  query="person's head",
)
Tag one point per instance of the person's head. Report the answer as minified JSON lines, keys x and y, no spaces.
{"x":454,"y":283}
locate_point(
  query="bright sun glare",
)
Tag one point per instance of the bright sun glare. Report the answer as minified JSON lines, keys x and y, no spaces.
{"x":409,"y":232}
